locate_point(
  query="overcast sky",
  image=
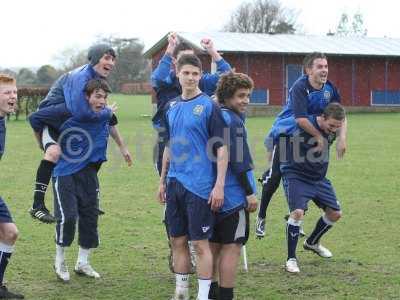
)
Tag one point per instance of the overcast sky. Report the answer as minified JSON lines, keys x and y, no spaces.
{"x":34,"y":32}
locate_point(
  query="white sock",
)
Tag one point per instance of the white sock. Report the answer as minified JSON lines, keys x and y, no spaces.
{"x":204,"y":289}
{"x":60,"y":254}
{"x":83,"y":256}
{"x":182,"y":284}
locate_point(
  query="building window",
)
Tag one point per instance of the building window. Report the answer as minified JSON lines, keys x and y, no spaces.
{"x":259,"y":96}
{"x":385,"y":98}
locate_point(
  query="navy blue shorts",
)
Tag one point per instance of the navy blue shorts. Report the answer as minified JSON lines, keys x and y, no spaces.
{"x":5,"y":215}
{"x":187,"y":213}
{"x":299,"y":192}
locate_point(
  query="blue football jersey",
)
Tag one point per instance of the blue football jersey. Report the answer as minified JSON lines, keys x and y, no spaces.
{"x":239,"y":161}
{"x":300,"y":161}
{"x":192,"y":127}
{"x":303,"y":101}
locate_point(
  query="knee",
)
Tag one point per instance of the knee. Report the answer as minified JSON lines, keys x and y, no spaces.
{"x":179,"y":243}
{"x":201,"y":248}
{"x":11,"y":236}
{"x":53,"y":153}
{"x":334,"y":215}
{"x":297,"y":214}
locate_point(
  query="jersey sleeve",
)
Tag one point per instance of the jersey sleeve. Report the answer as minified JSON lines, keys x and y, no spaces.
{"x":77,"y":103}
{"x":53,"y":116}
{"x":209,"y":81}
{"x":299,"y":101}
{"x":336,"y":95}
{"x":161,"y":74}
{"x":216,"y":126}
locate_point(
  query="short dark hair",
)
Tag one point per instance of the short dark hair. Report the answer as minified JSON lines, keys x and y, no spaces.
{"x":182,"y":46}
{"x":97,"y":84}
{"x":309,"y":59}
{"x":229,"y":83}
{"x":334,"y":110}
{"x":188,"y":59}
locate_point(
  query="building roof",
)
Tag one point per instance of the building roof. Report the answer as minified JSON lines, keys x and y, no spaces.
{"x":288,"y":44}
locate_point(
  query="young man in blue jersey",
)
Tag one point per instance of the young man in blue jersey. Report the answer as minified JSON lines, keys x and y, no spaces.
{"x":68,"y":91}
{"x":166,"y":84}
{"x":195,"y":159}
{"x":231,"y":230}
{"x":309,"y":95}
{"x":304,"y":172}
{"x":8,"y":230}
{"x":75,"y":182}
{"x":167,"y":87}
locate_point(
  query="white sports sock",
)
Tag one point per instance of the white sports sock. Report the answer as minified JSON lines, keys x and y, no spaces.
{"x":182,"y":283}
{"x":204,"y":289}
{"x":60,"y":254}
{"x":83,"y":256}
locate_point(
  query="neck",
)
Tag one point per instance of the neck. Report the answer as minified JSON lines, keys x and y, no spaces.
{"x":189,"y":94}
{"x":315,"y":85}
{"x":2,"y":114}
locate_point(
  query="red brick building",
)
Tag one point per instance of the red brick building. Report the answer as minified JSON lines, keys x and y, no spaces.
{"x":365,"y":70}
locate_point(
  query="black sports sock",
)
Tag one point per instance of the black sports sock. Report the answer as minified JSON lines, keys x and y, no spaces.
{"x":43,"y":176}
{"x":320,"y":229}
{"x":225,"y":293}
{"x":4,"y":257}
{"x":292,"y":236}
{"x":214,"y":291}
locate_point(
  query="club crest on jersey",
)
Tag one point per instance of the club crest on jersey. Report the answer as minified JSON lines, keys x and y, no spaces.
{"x":327,"y":95}
{"x":198,"y":109}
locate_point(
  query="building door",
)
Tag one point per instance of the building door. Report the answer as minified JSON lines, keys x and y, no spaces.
{"x":293,"y":72}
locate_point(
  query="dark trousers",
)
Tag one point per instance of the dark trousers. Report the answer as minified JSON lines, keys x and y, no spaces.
{"x":76,"y":199}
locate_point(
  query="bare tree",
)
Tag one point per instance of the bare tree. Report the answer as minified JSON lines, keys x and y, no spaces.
{"x":261,"y":16}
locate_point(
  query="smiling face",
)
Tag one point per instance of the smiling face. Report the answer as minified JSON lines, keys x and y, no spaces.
{"x":97,"y":100}
{"x":330,"y":125}
{"x":239,"y":101}
{"x":105,"y":65}
{"x":8,"y":98}
{"x":318,"y":72}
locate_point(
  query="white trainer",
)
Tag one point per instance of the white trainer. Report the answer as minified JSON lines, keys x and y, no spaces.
{"x":291,"y":266}
{"x":86,"y":270}
{"x":62,"y":271}
{"x":318,"y":249}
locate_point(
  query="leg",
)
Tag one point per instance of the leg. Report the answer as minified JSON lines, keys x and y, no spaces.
{"x":270,"y":183}
{"x":326,"y":199}
{"x":229,"y":259}
{"x":8,"y":237}
{"x":181,"y":264}
{"x":204,"y":265}
{"x":43,"y":176}
{"x":214,"y":288}
{"x":65,"y":210}
{"x":88,"y":211}
{"x":176,"y":219}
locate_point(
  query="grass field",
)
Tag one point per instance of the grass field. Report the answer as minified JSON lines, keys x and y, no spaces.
{"x":133,"y":250}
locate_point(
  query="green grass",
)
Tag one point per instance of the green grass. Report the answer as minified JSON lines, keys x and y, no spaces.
{"x":133,"y":250}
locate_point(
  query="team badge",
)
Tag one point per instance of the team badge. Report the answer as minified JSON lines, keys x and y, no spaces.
{"x":327,"y":95}
{"x":198,"y":109}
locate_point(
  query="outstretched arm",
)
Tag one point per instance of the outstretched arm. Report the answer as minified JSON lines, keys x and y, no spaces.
{"x":121,"y":144}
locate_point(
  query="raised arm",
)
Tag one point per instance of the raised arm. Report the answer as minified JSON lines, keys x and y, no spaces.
{"x":77,"y":104}
{"x":161,"y":74}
